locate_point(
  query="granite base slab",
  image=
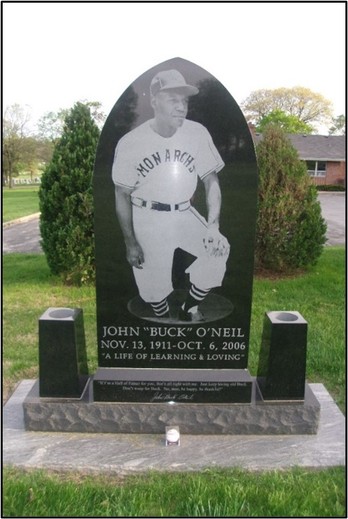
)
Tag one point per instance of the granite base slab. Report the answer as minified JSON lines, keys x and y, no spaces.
{"x":125,"y":454}
{"x":88,"y":416}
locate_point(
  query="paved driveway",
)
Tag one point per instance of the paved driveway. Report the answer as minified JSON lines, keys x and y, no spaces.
{"x":25,"y":235}
{"x":333,"y":207}
{"x":22,"y":236}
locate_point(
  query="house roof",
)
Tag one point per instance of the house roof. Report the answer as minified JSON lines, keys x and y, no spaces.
{"x":317,"y":147}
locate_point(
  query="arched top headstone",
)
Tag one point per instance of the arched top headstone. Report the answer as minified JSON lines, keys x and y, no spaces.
{"x":214,"y":107}
{"x":142,"y":161}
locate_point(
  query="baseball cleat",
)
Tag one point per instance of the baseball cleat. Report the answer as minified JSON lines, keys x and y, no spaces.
{"x":190,"y":316}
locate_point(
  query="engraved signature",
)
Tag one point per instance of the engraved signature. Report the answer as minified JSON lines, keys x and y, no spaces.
{"x":175,"y":397}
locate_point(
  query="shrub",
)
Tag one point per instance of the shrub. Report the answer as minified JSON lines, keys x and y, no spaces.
{"x":66,"y":202}
{"x":290,"y":228}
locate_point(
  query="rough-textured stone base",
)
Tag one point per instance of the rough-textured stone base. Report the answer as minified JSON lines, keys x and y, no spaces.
{"x":87,"y":416}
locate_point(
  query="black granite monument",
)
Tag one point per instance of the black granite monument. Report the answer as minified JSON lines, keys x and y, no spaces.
{"x":157,"y":174}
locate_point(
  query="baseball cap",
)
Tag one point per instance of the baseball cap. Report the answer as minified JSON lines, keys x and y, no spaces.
{"x":171,"y":79}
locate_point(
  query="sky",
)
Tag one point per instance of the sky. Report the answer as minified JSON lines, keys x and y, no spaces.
{"x":55,"y":54}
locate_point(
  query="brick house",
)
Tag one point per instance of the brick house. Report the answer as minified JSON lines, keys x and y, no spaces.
{"x":325,"y":156}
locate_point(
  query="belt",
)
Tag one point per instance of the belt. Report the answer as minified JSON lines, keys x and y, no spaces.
{"x":159,"y":206}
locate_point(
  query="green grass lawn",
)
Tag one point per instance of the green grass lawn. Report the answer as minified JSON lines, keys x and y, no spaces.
{"x":212,"y":493}
{"x":19,"y":201}
{"x":318,"y":294}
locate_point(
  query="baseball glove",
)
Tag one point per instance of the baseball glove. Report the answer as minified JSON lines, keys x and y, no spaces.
{"x":215,"y":243}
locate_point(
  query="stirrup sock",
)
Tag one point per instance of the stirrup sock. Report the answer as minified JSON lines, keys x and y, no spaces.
{"x":161,"y":308}
{"x":195,"y":296}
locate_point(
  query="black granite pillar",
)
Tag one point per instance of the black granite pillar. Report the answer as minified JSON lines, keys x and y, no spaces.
{"x":62,"y":353}
{"x":282,"y":362}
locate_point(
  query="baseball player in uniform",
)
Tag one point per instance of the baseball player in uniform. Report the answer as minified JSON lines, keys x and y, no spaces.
{"x":155,"y":171}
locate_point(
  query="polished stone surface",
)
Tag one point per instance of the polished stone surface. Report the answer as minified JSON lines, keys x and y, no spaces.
{"x":172,"y":385}
{"x":282,"y":362}
{"x":131,"y":453}
{"x":116,"y":289}
{"x":62,"y":353}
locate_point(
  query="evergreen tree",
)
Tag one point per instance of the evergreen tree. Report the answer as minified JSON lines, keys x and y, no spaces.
{"x":290,"y":228}
{"x":66,"y":202}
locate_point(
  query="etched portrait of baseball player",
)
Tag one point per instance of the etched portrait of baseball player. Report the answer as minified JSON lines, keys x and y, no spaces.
{"x":156,"y":169}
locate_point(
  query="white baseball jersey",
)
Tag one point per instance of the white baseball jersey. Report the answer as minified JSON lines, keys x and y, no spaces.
{"x":165,"y":169}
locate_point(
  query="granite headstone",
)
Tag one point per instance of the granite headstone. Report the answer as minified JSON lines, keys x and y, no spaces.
{"x":130,"y":332}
